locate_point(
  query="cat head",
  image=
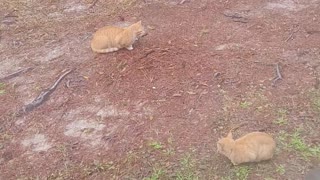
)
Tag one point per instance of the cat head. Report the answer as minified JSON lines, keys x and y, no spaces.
{"x":225,"y":145}
{"x":138,"y":29}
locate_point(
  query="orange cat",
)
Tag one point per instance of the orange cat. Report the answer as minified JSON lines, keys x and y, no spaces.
{"x":253,"y":147}
{"x":110,"y":39}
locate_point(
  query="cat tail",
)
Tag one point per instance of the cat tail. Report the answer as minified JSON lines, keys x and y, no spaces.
{"x":107,"y":50}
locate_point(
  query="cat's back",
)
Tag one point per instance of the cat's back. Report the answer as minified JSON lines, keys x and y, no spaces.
{"x":257,"y":137}
{"x":108,"y":31}
{"x":105,"y":39}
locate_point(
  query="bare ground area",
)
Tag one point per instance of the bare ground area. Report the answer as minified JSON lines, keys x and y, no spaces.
{"x":157,"y":112}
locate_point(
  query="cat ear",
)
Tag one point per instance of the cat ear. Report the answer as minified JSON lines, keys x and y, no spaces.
{"x":139,"y":22}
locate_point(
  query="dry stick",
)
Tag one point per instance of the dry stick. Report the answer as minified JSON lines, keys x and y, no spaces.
{"x":93,"y":4}
{"x":147,"y":54}
{"x":242,"y":20}
{"x":183,"y":1}
{"x":278,"y":77}
{"x":238,"y":126}
{"x":291,"y":35}
{"x":236,"y":18}
{"x":317,"y":84}
{"x":13,"y":75}
{"x":43,"y":96}
{"x":313,"y":32}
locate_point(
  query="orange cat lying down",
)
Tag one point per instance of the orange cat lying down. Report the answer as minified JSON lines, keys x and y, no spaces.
{"x":253,"y":147}
{"x":110,"y":39}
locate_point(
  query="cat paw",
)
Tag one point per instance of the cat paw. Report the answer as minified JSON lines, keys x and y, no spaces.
{"x":130,"y":48}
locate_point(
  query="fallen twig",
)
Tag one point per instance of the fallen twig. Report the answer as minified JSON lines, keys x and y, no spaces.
{"x":262,"y":63}
{"x":93,"y":3}
{"x":13,"y":75}
{"x":313,"y":32}
{"x":236,"y":17}
{"x":238,"y":126}
{"x":183,"y":1}
{"x":278,"y":77}
{"x":317,"y":84}
{"x":292,"y":33}
{"x":147,"y":54}
{"x":242,"y":20}
{"x":43,"y":96}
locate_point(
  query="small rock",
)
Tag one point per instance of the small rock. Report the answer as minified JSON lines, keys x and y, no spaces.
{"x":216,"y":74}
{"x":151,"y":27}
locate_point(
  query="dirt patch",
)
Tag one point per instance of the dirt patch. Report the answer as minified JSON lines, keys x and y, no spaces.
{"x":37,"y":143}
{"x":157,"y":112}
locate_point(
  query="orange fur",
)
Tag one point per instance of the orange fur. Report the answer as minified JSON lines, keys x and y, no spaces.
{"x":253,"y":147}
{"x":110,"y":39}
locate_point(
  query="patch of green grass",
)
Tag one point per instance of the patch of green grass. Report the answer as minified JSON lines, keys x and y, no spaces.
{"x":315,"y":99}
{"x":156,"y":174}
{"x":169,"y":151}
{"x":99,"y":167}
{"x":5,"y":137}
{"x":316,"y":103}
{"x":242,"y":172}
{"x":62,"y":149}
{"x":282,"y":112}
{"x":187,"y":169}
{"x":126,"y":4}
{"x":295,"y":142}
{"x":280,"y":169}
{"x":281,"y":121}
{"x":282,"y":138}
{"x":2,"y":90}
{"x":245,"y":104}
{"x":282,"y":117}
{"x":238,"y":173}
{"x":298,"y":143}
{"x":131,"y":157}
{"x":226,"y":178}
{"x":204,"y":31}
{"x":156,"y":145}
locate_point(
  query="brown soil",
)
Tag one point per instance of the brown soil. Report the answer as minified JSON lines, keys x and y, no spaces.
{"x":204,"y":67}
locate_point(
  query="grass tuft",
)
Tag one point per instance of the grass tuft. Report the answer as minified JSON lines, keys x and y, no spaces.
{"x":280,"y":169}
{"x":2,"y":90}
{"x":187,"y":169}
{"x":295,"y":142}
{"x":156,"y":145}
{"x":156,"y":174}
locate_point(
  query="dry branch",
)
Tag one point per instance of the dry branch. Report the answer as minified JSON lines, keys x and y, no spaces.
{"x":238,"y":126}
{"x":93,"y":3}
{"x":236,"y":17}
{"x":15,"y":74}
{"x":183,"y":1}
{"x":279,"y":76}
{"x":43,"y":96}
{"x":292,"y":33}
{"x":147,"y":54}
